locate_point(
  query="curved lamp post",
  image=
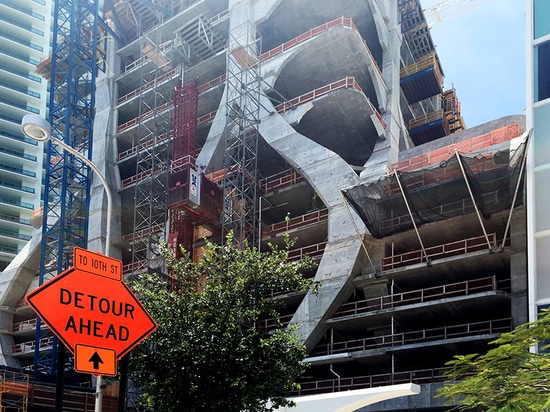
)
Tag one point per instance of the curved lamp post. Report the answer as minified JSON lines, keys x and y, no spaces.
{"x":37,"y":128}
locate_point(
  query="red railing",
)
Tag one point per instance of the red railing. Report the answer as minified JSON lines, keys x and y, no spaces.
{"x":286,"y":178}
{"x":459,"y":247}
{"x":168,"y":76}
{"x":156,"y":81}
{"x":135,"y":267}
{"x":29,"y":324}
{"x":465,"y":288}
{"x":148,"y":143}
{"x":314,"y":251}
{"x":28,"y":347}
{"x":162,"y":108}
{"x":212,"y":83}
{"x":345,"y":83}
{"x":417,"y":336}
{"x":339,"y":22}
{"x":140,"y":234}
{"x":140,"y":176}
{"x":298,"y":222}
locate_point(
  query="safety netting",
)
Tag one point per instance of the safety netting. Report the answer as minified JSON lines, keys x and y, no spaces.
{"x":441,"y":192}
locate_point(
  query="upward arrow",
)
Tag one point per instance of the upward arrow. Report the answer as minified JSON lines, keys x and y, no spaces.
{"x":96,"y":360}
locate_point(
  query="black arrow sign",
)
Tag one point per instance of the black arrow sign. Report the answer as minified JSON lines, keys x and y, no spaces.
{"x":96,"y":360}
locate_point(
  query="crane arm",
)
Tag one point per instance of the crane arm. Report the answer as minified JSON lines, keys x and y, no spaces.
{"x":447,"y":9}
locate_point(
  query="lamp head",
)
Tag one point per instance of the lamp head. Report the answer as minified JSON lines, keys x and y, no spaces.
{"x":36,"y":127}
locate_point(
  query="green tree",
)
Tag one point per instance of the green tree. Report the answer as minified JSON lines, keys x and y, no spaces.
{"x":510,"y":377}
{"x":210,"y":353}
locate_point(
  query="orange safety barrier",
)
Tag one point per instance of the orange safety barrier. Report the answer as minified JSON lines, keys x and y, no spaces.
{"x":466,"y":146}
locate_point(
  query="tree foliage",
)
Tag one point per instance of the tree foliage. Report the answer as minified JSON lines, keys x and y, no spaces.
{"x":210,"y":353}
{"x":510,"y":377}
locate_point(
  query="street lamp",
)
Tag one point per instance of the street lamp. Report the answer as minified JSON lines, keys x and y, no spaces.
{"x":37,"y":128}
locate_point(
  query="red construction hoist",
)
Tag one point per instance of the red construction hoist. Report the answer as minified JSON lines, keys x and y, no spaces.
{"x":193,"y":200}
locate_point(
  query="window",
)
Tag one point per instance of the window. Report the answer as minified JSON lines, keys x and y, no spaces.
{"x":541,"y":16}
{"x":542,"y":71}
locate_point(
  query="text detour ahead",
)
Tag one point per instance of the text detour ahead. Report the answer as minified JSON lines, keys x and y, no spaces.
{"x":81,"y":307}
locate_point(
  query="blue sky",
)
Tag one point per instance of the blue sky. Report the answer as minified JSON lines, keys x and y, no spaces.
{"x":482,"y":52}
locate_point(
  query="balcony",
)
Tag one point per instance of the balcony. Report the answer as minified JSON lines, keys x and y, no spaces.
{"x":465,"y":288}
{"x":414,"y":337}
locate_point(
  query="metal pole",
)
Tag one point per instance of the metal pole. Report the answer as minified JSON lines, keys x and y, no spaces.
{"x":260,"y":223}
{"x":412,"y":218}
{"x":98,"y":393}
{"x":473,"y":201}
{"x":59,"y":376}
{"x":518,"y":184}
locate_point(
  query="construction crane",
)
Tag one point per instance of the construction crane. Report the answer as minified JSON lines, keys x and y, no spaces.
{"x":78,"y":53}
{"x":447,"y":9}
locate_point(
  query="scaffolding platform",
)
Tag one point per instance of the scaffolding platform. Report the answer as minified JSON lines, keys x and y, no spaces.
{"x":14,"y":391}
{"x":428,"y":127}
{"x":422,"y":79}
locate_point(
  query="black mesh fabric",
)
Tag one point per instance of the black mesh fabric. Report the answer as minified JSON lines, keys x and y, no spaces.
{"x":440,"y":192}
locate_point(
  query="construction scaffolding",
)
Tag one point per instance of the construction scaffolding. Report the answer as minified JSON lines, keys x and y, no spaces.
{"x":453,"y":116}
{"x":14,"y":391}
{"x":241,"y":133}
{"x":153,"y":158}
{"x":414,"y":28}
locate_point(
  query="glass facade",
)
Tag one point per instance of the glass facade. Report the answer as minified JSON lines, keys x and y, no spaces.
{"x":538,"y":165}
{"x":541,"y":114}
{"x":542,"y":71}
{"x":541,"y":11}
{"x":24,"y":42}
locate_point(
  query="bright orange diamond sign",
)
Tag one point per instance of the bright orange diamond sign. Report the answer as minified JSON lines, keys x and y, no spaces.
{"x":92,"y":309}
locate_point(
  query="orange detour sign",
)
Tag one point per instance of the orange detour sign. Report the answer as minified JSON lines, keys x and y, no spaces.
{"x":92,"y":309}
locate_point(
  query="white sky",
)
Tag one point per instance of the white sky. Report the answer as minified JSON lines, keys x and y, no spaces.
{"x":482,"y":52}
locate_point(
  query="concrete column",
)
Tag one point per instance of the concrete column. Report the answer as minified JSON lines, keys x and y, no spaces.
{"x":386,"y":150}
{"x":104,"y":156}
{"x":518,"y":267}
{"x":340,"y":262}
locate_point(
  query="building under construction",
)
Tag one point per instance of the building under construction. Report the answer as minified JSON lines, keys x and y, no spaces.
{"x":328,"y":121}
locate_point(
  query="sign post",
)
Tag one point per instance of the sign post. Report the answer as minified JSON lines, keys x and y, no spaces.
{"x":93,"y":312}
